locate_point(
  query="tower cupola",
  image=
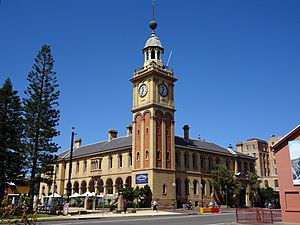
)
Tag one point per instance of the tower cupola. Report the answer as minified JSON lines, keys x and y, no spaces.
{"x":153,"y":49}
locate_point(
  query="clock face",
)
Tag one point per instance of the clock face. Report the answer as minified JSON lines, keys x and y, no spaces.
{"x":163,"y":90}
{"x":143,"y":90}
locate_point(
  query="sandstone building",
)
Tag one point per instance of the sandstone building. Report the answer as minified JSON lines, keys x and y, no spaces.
{"x":176,"y":168}
{"x":265,"y":164}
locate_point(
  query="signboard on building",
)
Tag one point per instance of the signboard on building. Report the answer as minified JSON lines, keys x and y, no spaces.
{"x":141,"y":178}
{"x":294,"y":147}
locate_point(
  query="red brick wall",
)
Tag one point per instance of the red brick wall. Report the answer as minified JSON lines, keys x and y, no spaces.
{"x":289,"y":193}
{"x":138,"y":141}
{"x":158,"y":115}
{"x":146,"y":139}
{"x":169,"y":139}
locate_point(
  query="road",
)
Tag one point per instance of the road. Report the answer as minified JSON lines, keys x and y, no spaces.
{"x":219,"y":219}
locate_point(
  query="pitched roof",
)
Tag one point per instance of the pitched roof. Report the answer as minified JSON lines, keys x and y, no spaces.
{"x":205,"y":145}
{"x":286,"y":137}
{"x":114,"y":144}
{"x":126,"y":142}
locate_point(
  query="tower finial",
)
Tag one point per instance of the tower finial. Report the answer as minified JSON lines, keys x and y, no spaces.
{"x":153,"y":23}
{"x":153,"y":10}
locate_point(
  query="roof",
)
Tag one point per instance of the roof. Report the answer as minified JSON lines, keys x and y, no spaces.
{"x":126,"y":142}
{"x":153,"y":41}
{"x":286,"y":137}
{"x":205,"y":145}
{"x":104,"y":146}
{"x":256,"y":139}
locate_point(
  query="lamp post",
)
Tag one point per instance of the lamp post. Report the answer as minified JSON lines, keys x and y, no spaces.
{"x":226,"y":194}
{"x":201,"y":193}
{"x":70,"y":165}
{"x":174,"y":187}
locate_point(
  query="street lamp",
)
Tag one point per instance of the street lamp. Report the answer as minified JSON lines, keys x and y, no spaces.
{"x":174,"y":187}
{"x":70,"y":165}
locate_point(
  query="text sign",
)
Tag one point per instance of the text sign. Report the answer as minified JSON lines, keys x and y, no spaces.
{"x":141,"y":178}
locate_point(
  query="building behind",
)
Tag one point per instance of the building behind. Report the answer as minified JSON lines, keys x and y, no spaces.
{"x":265,"y":165}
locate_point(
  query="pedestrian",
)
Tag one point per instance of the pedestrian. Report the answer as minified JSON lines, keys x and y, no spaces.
{"x":125,"y":206}
{"x":155,"y":206}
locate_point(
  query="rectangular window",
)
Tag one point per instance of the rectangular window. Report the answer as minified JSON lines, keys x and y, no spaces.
{"x":275,"y":171}
{"x":275,"y":162}
{"x":253,"y":146}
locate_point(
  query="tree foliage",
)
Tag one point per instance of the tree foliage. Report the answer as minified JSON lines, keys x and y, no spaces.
{"x":11,"y":136}
{"x":41,"y":114}
{"x":223,"y":181}
{"x":254,"y":183}
{"x":138,"y":197}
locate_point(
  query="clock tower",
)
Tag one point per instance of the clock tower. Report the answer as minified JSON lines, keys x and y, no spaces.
{"x":153,"y":143}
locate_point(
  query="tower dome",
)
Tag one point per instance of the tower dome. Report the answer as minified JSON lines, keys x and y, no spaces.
{"x":153,"y":41}
{"x":153,"y":50}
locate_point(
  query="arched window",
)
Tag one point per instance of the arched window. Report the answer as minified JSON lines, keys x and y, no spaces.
{"x":186,"y":187}
{"x":138,"y":156}
{"x":276,"y":183}
{"x":266,"y":183}
{"x":245,"y":167}
{"x":177,"y":159}
{"x":210,"y":163}
{"x":77,"y":167}
{"x":240,"y":166}
{"x":100,"y":162}
{"x":120,"y":161}
{"x":186,"y":160}
{"x":130,"y":159}
{"x":164,"y":189}
{"x":217,"y":161}
{"x":110,"y":162}
{"x":84,"y":165}
{"x":147,"y":155}
{"x":158,"y":55}
{"x":178,"y":187}
{"x":195,"y":185}
{"x":152,"y":54}
{"x":202,"y":162}
{"x":194,"y":161}
{"x":227,"y":164}
{"x":158,"y":155}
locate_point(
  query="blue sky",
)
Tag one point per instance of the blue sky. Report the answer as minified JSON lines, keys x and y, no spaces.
{"x":237,"y":62}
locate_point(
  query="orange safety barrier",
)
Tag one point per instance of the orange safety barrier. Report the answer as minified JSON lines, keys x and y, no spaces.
{"x":209,"y":210}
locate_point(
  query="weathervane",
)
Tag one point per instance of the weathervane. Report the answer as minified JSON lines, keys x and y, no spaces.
{"x":153,"y":23}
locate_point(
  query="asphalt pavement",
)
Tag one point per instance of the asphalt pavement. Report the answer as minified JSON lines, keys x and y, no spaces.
{"x":215,"y":219}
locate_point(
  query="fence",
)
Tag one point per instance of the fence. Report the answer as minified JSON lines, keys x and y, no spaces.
{"x":258,"y":215}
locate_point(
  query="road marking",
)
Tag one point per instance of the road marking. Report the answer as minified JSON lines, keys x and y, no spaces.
{"x":143,"y":219}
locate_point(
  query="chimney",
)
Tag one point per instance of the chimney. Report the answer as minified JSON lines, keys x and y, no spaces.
{"x":78,"y":143}
{"x":186,"y":132}
{"x":112,"y":134}
{"x":129,"y":130}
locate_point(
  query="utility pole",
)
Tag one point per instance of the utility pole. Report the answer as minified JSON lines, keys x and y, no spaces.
{"x":69,"y":186}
